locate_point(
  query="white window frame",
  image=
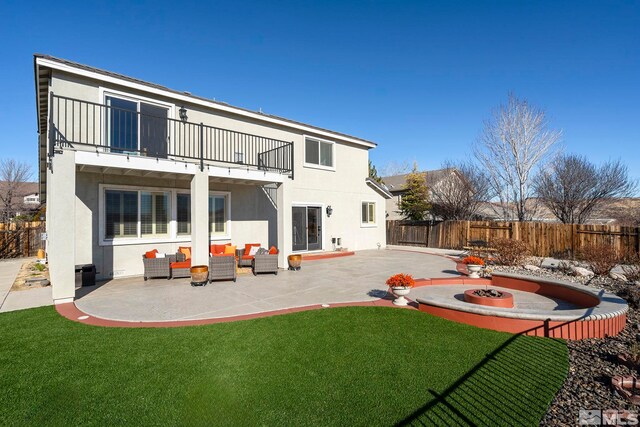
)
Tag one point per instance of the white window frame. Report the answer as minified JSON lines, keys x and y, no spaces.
{"x":172,"y":236}
{"x":369,"y":224}
{"x":227,"y":207}
{"x":318,"y":166}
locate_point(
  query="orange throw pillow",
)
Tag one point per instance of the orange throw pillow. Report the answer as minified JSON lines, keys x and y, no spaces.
{"x":229,"y":250}
{"x":186,"y":250}
{"x":273,"y":250}
{"x":218,"y":249}
{"x":151,"y":254}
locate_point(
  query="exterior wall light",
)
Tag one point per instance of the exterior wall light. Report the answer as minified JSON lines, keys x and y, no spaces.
{"x":183,"y":114}
{"x":329,"y":210}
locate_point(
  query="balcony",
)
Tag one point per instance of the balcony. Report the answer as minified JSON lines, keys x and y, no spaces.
{"x":139,"y":129}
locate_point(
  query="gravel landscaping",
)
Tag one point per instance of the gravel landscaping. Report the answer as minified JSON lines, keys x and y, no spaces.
{"x":592,"y":362}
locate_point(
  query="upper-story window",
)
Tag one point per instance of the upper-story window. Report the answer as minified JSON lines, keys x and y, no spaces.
{"x":136,"y":126}
{"x":319,"y":153}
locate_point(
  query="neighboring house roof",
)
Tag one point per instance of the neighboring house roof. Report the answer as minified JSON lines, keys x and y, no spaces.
{"x":67,"y":65}
{"x":380,"y":188}
{"x":26,"y":189}
{"x":398,"y":183}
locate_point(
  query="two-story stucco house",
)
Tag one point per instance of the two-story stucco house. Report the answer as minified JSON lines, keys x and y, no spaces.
{"x":127,"y":166}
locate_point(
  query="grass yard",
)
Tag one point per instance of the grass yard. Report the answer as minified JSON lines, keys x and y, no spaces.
{"x":339,"y":366}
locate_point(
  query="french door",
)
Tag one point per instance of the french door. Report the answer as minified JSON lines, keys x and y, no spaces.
{"x":307,"y":228}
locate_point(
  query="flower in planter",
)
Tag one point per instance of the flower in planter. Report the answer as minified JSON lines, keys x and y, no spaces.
{"x":473,"y":260}
{"x":400,"y":281}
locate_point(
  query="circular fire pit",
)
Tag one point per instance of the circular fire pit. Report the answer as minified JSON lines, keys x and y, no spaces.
{"x":490,"y":297}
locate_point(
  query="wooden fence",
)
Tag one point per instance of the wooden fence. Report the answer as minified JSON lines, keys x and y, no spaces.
{"x":542,"y":238}
{"x":21,"y":239}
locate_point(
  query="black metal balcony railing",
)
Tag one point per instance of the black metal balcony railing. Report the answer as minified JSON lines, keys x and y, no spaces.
{"x":133,"y":128}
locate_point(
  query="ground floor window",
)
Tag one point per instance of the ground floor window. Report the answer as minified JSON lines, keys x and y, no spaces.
{"x":218,"y":217}
{"x":121,"y":214}
{"x":368,"y":213}
{"x":132,"y":215}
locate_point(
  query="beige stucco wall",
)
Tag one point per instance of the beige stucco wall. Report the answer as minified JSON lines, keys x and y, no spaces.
{"x":253,"y":218}
{"x":250,"y":222}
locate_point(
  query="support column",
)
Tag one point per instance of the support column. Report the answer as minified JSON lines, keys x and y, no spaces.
{"x":282,"y":228}
{"x":61,"y":226}
{"x":200,"y":218}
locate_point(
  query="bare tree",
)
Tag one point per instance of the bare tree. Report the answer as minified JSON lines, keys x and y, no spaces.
{"x":13,"y":176}
{"x":392,"y":168}
{"x":460,"y":193}
{"x":573,"y":187}
{"x":512,"y":147}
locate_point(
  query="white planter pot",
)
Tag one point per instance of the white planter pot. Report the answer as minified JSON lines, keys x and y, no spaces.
{"x":400,"y":292}
{"x":473,"y":270}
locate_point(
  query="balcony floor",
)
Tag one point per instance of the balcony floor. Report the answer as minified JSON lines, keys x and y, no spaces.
{"x":358,"y":278}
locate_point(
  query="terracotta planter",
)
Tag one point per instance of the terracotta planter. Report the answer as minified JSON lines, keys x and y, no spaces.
{"x":400,"y":292}
{"x":294,"y":262}
{"x":199,"y":275}
{"x":41,"y":254}
{"x":627,"y":387}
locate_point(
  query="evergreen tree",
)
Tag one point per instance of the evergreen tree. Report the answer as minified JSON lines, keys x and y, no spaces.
{"x":414,"y":204}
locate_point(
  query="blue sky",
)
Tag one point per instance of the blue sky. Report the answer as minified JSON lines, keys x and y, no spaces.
{"x":418,"y":78}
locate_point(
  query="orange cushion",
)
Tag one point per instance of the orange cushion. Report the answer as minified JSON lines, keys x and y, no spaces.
{"x":247,"y":247}
{"x":218,"y":249}
{"x":247,"y":257}
{"x":186,"y":250}
{"x":181,"y":264}
{"x":273,"y":250}
{"x":229,"y":250}
{"x":151,"y":254}
{"x":222,"y":254}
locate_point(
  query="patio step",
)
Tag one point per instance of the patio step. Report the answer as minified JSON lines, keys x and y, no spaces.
{"x":325,"y":255}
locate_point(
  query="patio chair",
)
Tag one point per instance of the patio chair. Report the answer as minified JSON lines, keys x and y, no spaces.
{"x":244,"y":259}
{"x":156,"y":267}
{"x":180,"y":266}
{"x":222,"y":267}
{"x":265,"y":263}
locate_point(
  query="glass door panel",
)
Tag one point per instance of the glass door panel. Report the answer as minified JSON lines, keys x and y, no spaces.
{"x":299,"y":228}
{"x":314,"y":228}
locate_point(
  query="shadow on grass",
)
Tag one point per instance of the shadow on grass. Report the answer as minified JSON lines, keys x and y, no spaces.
{"x":512,"y":385}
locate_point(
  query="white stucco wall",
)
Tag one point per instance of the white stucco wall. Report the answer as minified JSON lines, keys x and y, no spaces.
{"x":253,"y":218}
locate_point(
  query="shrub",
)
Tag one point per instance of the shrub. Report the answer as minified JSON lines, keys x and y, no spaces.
{"x":631,"y":268}
{"x":600,"y":258}
{"x":509,"y":251}
{"x":401,"y":280}
{"x":473,"y":260}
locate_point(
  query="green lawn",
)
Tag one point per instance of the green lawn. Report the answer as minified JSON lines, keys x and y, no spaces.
{"x":340,"y":366}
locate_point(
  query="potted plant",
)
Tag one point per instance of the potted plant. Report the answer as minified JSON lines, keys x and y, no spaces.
{"x":474,"y":265}
{"x":401,"y":284}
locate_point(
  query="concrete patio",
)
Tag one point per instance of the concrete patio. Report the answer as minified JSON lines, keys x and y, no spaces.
{"x":356,"y":278}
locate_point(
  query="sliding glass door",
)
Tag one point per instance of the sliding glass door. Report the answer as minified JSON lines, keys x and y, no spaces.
{"x":307,"y":228}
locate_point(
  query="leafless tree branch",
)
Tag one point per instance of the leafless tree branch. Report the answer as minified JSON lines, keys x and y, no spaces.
{"x":513,"y":145}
